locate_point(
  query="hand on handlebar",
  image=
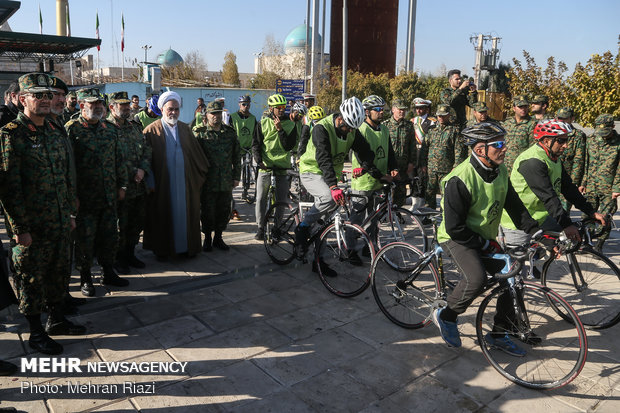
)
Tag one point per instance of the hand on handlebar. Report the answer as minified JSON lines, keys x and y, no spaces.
{"x":600,"y":218}
{"x":337,"y":195}
{"x":491,"y":247}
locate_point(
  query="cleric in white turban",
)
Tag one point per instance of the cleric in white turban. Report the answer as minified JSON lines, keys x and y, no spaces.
{"x":179,"y":169}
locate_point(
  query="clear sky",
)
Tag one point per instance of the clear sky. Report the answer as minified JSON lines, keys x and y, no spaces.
{"x":570,"y":30}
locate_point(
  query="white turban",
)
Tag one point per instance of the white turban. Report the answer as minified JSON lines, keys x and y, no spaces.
{"x":166,"y":96}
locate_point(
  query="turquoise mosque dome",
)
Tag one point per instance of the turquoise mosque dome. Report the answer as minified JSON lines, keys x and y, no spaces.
{"x":169,"y":58}
{"x":295,"y":42}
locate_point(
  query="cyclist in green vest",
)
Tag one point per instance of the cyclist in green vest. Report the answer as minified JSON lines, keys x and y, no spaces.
{"x":150,"y":113}
{"x":315,"y":114}
{"x":297,"y":115}
{"x":474,"y":195}
{"x":539,"y":178}
{"x":378,"y":137}
{"x":321,"y":165}
{"x":244,"y":123}
{"x":273,"y":139}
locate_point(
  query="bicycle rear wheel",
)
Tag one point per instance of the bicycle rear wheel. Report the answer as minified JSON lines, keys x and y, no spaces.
{"x":401,"y":226}
{"x":590,"y":282}
{"x":405,"y":297}
{"x":555,"y":349}
{"x":342,"y":250}
{"x":279,"y":232}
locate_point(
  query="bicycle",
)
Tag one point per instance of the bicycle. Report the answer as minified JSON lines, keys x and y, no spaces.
{"x":332,"y":239}
{"x":556,"y":349}
{"x":586,"y":278}
{"x":248,"y":175}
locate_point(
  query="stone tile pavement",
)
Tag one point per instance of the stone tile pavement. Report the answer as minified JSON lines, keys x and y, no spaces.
{"x":258,"y":337}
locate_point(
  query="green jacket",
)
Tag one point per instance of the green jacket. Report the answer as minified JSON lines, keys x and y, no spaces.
{"x":444,"y":150}
{"x":403,"y":142}
{"x":224,"y":154}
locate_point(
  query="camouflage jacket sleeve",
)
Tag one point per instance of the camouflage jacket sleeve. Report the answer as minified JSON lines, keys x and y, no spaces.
{"x":449,"y":95}
{"x":579,"y":159}
{"x":460,"y":150}
{"x":472,"y":97}
{"x":146,"y":156}
{"x":236,"y":158}
{"x":12,"y":192}
{"x":122,"y":180}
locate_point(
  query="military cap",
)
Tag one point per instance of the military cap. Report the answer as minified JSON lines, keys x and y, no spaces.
{"x":419,"y":102}
{"x":214,"y":106}
{"x":399,"y":103}
{"x":72,"y":93}
{"x":443,"y":110}
{"x":540,"y":99}
{"x":564,"y":113}
{"x":118,"y":97}
{"x":90,"y":95}
{"x":603,"y":124}
{"x":480,"y":107}
{"x":58,"y":83}
{"x":308,"y":96}
{"x":35,"y":82}
{"x":520,"y":100}
{"x":221,"y":99}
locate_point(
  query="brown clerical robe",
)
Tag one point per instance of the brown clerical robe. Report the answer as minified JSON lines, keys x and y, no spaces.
{"x":158,"y":231}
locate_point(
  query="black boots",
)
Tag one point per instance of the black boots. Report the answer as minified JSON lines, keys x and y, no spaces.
{"x":207,"y":244}
{"x":58,"y":325}
{"x":126,"y":259}
{"x":39,"y":340}
{"x":132,"y":260}
{"x":111,"y":278}
{"x":86,"y":283}
{"x":218,"y":242}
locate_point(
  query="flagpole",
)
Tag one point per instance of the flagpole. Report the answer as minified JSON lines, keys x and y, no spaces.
{"x":122,"y":48}
{"x":98,"y":49}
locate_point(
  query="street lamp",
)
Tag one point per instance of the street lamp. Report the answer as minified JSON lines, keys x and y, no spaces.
{"x":146,"y":48}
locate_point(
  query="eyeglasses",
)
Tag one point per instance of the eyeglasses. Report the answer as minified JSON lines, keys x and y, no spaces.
{"x":378,"y":109}
{"x":41,"y":95}
{"x":497,"y":144}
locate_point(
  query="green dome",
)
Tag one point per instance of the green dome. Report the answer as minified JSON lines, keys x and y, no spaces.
{"x":295,"y":42}
{"x":169,"y":58}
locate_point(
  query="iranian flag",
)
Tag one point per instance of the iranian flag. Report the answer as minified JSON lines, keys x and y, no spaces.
{"x":97,"y":31}
{"x":40,"y":21}
{"x":122,"y":32}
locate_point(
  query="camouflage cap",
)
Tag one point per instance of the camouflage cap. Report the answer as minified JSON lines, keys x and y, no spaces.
{"x":90,"y":95}
{"x":480,"y":107}
{"x":35,"y":82}
{"x":118,"y":97}
{"x":603,"y":124}
{"x":443,"y":110}
{"x":58,"y":83}
{"x":214,"y":106}
{"x":564,"y":113}
{"x":520,"y":100}
{"x":540,"y":99}
{"x":399,"y":104}
{"x":72,"y":93}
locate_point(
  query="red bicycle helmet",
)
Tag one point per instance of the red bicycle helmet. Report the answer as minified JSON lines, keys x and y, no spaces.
{"x":551,"y":128}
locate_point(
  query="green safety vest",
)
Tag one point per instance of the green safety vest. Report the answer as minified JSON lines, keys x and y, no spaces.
{"x":244,"y":129}
{"x":145,"y":119}
{"x":273,"y":153}
{"x":339,"y":150}
{"x":487,"y":200}
{"x":535,"y":206}
{"x":379,"y":143}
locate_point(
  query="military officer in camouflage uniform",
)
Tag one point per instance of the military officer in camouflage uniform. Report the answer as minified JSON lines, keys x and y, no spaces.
{"x":574,"y":157}
{"x":602,"y":178}
{"x":443,"y":152}
{"x":40,"y":205}
{"x":404,"y":145}
{"x":221,"y":146}
{"x":481,"y":114}
{"x":519,"y":130}
{"x":538,"y":107}
{"x":461,"y":93}
{"x":71,"y":109}
{"x":101,"y":182}
{"x":137,"y":154}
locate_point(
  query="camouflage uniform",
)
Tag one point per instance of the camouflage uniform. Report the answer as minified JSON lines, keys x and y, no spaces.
{"x":444,"y":151}
{"x":519,"y":135}
{"x":224,"y":154}
{"x":137,"y":155}
{"x":67,"y":114}
{"x":101,"y":173}
{"x":404,"y":145}
{"x":39,"y":199}
{"x":480,"y":107}
{"x":602,"y":176}
{"x":458,"y":99}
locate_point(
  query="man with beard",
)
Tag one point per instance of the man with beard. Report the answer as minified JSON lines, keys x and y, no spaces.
{"x":40,"y":204}
{"x":11,"y":108}
{"x":404,"y":144}
{"x":71,"y":109}
{"x":538,"y":106}
{"x":519,"y":130}
{"x":137,"y":154}
{"x":179,"y":169}
{"x":101,"y":177}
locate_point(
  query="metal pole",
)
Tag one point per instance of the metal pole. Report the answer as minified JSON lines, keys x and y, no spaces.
{"x":322,"y":41}
{"x":345,"y":23}
{"x":315,"y":38}
{"x":410,"y":52}
{"x":71,"y":70}
{"x":306,"y":60}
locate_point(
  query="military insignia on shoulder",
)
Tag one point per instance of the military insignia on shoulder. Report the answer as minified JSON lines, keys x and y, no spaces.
{"x":32,"y":127}
{"x":11,"y":125}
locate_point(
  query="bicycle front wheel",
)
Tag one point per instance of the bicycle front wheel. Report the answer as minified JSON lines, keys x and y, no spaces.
{"x":343,"y":256}
{"x":405,"y":297}
{"x":401,"y":225}
{"x":279,"y":230}
{"x":590,"y":282}
{"x":555,"y":349}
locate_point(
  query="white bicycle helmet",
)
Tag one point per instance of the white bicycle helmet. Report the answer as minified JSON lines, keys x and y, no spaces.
{"x":300,"y":108}
{"x":352,"y":112}
{"x":373,"y":101}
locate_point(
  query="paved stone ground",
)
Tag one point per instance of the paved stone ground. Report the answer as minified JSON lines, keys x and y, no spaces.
{"x":263,"y":338}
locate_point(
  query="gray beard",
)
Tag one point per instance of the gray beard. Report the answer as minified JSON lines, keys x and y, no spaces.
{"x":170,"y":121}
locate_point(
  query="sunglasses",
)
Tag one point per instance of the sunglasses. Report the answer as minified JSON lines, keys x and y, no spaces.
{"x":562,"y":141}
{"x":41,"y":95}
{"x":281,"y":107}
{"x":245,"y":104}
{"x":378,"y":109}
{"x":497,"y":144}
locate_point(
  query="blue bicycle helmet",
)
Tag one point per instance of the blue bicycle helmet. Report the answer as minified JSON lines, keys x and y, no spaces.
{"x":153,"y":105}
